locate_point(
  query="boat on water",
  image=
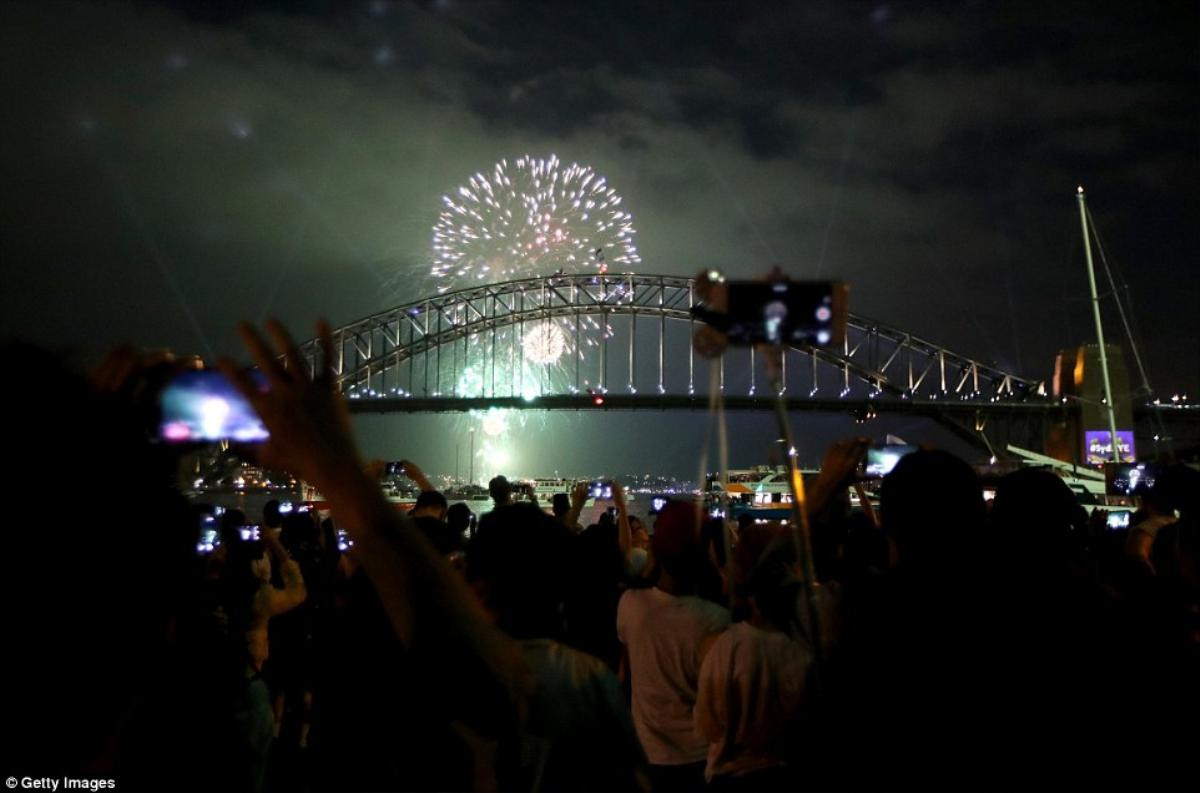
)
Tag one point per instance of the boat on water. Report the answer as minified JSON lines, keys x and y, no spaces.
{"x":762,"y":491}
{"x":476,"y":497}
{"x":1087,"y":483}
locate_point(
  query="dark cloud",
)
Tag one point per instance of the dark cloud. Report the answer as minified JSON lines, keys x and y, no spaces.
{"x":226,"y":159}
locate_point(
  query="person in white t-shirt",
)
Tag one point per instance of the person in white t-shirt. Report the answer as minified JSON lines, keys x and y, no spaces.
{"x":753,"y":684}
{"x":662,"y":630}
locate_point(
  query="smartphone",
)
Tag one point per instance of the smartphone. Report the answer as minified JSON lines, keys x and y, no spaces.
{"x":657,"y":503}
{"x":1118,"y":519}
{"x":393,"y":469}
{"x":344,"y":542}
{"x":600,"y":489}
{"x":202,"y":405}
{"x":251,"y":533}
{"x":285,"y":507}
{"x":1123,"y":479}
{"x":208,"y":541}
{"x":783,"y":312}
{"x":882,"y":459}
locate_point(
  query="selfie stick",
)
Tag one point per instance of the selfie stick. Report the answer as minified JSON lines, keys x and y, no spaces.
{"x":801,"y":533}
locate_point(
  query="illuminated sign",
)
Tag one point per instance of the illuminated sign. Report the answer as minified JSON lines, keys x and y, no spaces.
{"x":1097,"y":446}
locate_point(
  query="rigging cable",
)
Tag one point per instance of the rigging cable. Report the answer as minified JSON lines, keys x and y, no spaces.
{"x":1125,"y":322}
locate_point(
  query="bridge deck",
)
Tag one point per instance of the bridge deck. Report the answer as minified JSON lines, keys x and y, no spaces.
{"x":697,"y":402}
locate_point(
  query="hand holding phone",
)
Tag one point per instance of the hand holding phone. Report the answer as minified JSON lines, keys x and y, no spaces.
{"x":600,"y":489}
{"x":882,"y":459}
{"x":308,"y":418}
{"x":202,"y":405}
{"x":1118,"y":519}
{"x":618,"y":495}
{"x":774,"y":311}
{"x":1127,"y":479}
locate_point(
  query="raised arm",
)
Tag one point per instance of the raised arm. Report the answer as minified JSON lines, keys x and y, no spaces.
{"x":624,"y":532}
{"x":293,"y":592}
{"x":578,"y":499}
{"x":310,"y":431}
{"x":864,"y":502}
{"x":837,"y":471}
{"x":414,"y":472}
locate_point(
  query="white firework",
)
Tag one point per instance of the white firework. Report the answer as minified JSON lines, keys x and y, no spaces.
{"x":495,"y":422}
{"x":531,"y":218}
{"x":544,"y":343}
{"x":470,"y":382}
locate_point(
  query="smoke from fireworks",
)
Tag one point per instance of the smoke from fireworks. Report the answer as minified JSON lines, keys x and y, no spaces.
{"x":530,"y":218}
{"x":495,"y":422}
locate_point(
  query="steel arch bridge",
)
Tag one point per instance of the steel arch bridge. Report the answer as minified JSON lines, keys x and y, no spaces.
{"x":628,"y":337}
{"x":627,"y":340}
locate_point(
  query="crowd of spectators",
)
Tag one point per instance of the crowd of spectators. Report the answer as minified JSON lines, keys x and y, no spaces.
{"x":941,"y":644}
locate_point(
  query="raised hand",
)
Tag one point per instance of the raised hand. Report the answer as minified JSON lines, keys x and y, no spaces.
{"x":624,"y":531}
{"x":618,"y":495}
{"x":837,"y":470}
{"x":307,"y":417}
{"x":417,"y":476}
{"x":843,"y":458}
{"x":579,"y":495}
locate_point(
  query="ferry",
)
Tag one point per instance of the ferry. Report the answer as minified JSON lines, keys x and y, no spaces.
{"x":763,"y":491}
{"x":1085,"y":482}
{"x":547,"y":488}
{"x":762,"y":485}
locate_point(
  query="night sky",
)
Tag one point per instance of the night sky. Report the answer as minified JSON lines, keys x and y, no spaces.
{"x":170,"y":168}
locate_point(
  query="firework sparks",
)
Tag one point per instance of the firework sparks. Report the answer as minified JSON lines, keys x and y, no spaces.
{"x":470,"y":382}
{"x":495,"y":422}
{"x":531,"y":218}
{"x":544,"y":343}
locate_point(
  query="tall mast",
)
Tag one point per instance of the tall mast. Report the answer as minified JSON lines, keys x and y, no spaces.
{"x":1108,"y":397}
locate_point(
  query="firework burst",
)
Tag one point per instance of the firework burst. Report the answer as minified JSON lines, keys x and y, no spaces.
{"x":544,"y":343}
{"x":531,"y":218}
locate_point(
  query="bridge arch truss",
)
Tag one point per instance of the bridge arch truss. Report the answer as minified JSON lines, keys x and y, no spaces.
{"x":628,"y":334}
